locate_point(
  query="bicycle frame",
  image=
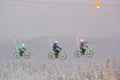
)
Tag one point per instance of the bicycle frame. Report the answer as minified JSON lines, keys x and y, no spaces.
{"x":86,"y":49}
{"x":60,"y":51}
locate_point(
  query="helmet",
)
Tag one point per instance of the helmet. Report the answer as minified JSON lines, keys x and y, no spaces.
{"x":22,"y":46}
{"x":56,"y":42}
{"x":81,"y":40}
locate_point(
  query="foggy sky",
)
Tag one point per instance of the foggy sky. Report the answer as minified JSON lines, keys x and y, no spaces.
{"x":43,"y":17}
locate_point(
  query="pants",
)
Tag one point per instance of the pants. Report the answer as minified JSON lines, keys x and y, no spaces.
{"x":82,"y":51}
{"x":21,"y":52}
{"x":57,"y":53}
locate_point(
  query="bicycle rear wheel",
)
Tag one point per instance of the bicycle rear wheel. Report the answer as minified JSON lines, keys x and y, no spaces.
{"x":77,"y":53}
{"x":51,"y":56}
{"x":17,"y":55}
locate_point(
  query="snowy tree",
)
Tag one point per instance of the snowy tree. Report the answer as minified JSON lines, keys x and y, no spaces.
{"x":109,"y":71}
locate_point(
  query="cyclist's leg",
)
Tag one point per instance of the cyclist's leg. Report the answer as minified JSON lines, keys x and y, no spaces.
{"x":82,"y":51}
{"x":56,"y":53}
{"x":21,"y":52}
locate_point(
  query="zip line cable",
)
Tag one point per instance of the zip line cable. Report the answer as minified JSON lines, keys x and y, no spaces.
{"x":15,"y":42}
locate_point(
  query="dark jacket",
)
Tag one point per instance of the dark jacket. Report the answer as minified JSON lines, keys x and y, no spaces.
{"x":56,"y":47}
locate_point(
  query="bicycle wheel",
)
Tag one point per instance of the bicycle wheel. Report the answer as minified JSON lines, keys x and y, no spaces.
{"x":89,"y":53}
{"x":17,"y":55}
{"x":63,"y":56}
{"x":27,"y":55}
{"x":77,"y":53}
{"x":51,"y":56}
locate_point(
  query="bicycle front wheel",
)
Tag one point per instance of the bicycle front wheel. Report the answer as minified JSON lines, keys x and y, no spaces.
{"x":63,"y":56}
{"x":27,"y":55}
{"x":89,"y":53}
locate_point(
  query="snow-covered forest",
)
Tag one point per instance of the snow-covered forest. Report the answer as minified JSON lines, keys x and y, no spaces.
{"x":104,"y":65}
{"x":31,"y":70}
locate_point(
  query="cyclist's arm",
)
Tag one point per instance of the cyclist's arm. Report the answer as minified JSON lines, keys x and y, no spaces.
{"x":24,"y":48}
{"x":59,"y":47}
{"x":85,"y":43}
{"x":85,"y":46}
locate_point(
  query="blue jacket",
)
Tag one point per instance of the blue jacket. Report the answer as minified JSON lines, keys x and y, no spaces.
{"x":56,"y":47}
